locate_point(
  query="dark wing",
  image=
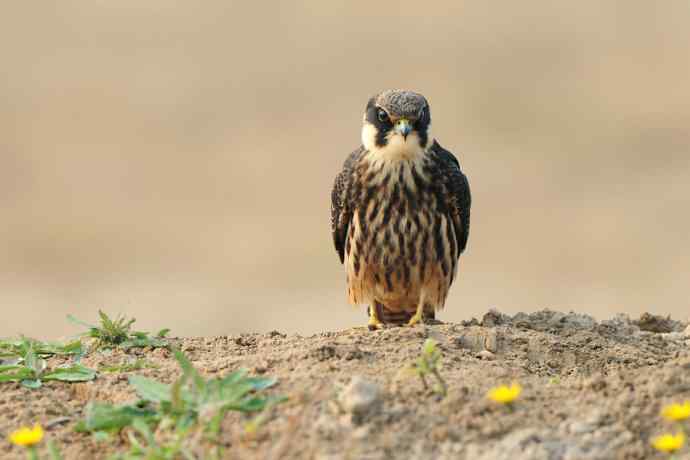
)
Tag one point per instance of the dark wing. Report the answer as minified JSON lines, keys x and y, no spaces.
{"x":458,"y":197}
{"x":341,"y":207}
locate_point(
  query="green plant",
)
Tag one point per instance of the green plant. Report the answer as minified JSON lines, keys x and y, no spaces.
{"x":429,"y":363}
{"x":128,"y":366}
{"x":15,"y":348}
{"x":191,"y":403}
{"x":112,"y":333}
{"x":144,"y":445}
{"x":31,"y":370}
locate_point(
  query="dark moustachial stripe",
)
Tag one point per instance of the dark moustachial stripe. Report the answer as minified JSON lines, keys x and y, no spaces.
{"x":382,"y":127}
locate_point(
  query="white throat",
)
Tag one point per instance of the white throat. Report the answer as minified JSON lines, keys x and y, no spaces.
{"x":397,"y":148}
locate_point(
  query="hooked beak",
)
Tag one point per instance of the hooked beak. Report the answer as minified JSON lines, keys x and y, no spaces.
{"x":403,"y":127}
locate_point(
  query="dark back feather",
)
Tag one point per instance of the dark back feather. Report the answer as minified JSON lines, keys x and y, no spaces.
{"x":458,"y":199}
{"x":341,"y":202}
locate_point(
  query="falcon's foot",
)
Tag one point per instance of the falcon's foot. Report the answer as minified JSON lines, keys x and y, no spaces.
{"x":416,"y":318}
{"x":374,"y":321}
{"x":374,"y":324}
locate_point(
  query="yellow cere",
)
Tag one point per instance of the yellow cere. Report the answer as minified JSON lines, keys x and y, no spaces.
{"x":505,"y":394}
{"x":26,"y":436}
{"x":669,"y":442}
{"x":677,"y":412}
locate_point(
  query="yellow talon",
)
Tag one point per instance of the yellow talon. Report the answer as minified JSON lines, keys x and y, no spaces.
{"x":416,"y":318}
{"x":374,"y":322}
{"x":418,"y":314}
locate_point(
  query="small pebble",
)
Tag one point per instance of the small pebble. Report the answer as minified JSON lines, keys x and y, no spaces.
{"x":360,"y":396}
{"x":486,"y":355}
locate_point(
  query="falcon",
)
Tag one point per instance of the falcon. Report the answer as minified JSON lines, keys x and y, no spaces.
{"x":400,"y":213}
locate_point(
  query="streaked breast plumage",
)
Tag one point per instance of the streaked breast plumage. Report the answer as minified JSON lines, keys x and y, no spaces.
{"x":400,"y":213}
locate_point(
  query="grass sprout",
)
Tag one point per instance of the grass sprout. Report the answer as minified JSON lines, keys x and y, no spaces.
{"x":429,"y":364}
{"x":117,"y":332}
{"x":144,"y":445}
{"x":128,"y":366}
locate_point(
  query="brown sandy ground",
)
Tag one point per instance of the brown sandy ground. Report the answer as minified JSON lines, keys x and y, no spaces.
{"x":592,"y":390}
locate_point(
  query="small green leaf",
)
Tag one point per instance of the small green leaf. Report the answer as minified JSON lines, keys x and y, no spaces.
{"x":34,"y":384}
{"x":106,"y":417}
{"x":162,"y":333}
{"x":234,"y":377}
{"x":188,"y":370}
{"x":129,"y":366}
{"x":71,"y":348}
{"x":150,"y":390}
{"x":33,"y":362}
{"x":259,"y":383}
{"x":255,"y":404}
{"x":22,"y":373}
{"x":429,"y":347}
{"x":75,"y":373}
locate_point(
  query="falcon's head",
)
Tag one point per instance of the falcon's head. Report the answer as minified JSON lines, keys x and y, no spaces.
{"x":397,"y":123}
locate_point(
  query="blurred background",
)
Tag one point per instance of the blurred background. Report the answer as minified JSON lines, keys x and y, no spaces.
{"x":173,"y":161}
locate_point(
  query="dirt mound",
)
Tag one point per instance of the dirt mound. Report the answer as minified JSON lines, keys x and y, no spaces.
{"x":591,"y":390}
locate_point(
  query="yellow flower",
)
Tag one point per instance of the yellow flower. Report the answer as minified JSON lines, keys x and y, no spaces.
{"x":676,"y":412}
{"x":505,"y":394}
{"x":26,"y":436}
{"x":669,"y":442}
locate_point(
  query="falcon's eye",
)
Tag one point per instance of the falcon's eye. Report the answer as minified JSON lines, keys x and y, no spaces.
{"x":383,"y":116}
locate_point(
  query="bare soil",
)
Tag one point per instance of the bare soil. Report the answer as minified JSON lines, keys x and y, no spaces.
{"x":592,"y":390}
